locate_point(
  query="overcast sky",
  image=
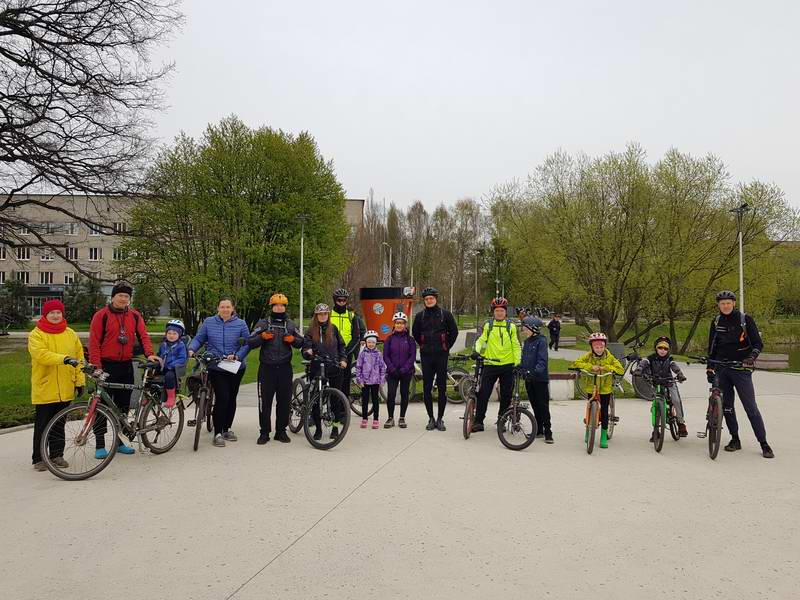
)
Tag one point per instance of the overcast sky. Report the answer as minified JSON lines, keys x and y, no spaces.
{"x":441,"y":100}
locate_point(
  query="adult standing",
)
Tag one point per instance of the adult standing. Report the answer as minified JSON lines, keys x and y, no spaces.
{"x":734,"y":336}
{"x":222,"y":335}
{"x":276,"y":336}
{"x":55,"y":353}
{"x":435,"y":331}
{"x":350,"y":328}
{"x":537,"y":380}
{"x":113,"y":333}
{"x":554,"y":327}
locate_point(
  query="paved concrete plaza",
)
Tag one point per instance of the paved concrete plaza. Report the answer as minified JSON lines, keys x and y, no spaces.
{"x":415,"y":514}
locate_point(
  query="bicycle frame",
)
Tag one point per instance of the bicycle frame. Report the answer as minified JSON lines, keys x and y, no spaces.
{"x":595,"y":397}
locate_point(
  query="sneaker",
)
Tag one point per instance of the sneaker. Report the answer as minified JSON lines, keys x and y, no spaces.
{"x":766,"y":451}
{"x":440,"y":425}
{"x":431,"y":425}
{"x":40,"y":466}
{"x":60,"y":462}
{"x":733,"y":445}
{"x":376,"y":424}
{"x":682,"y":430}
{"x":229,"y":436}
{"x":123,"y":449}
{"x":334,"y":432}
{"x":402,"y":423}
{"x":476,"y":427}
{"x":363,"y":423}
{"x":100,"y":453}
{"x":282,"y":437}
{"x":219,"y":441}
{"x":262,"y":439}
{"x":318,"y":434}
{"x":548,"y":438}
{"x":389,"y":423}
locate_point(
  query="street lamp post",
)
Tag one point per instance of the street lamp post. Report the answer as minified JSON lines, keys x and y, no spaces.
{"x":302,"y":218}
{"x":390,"y":261}
{"x":478,"y":252}
{"x":739,"y":212}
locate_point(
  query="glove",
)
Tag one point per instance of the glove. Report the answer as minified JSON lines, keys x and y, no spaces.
{"x":72,"y":362}
{"x":267,"y":335}
{"x":288,"y":339}
{"x":474,"y":355}
{"x":710,"y":376}
{"x":749,"y":362}
{"x":682,"y":378}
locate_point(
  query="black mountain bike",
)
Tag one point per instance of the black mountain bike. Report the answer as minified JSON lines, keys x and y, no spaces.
{"x":202,"y":395}
{"x":714,"y":414}
{"x":323,"y":407}
{"x":516,"y":427}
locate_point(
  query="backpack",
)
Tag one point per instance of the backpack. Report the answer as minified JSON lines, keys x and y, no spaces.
{"x":742,"y":337}
{"x":490,"y":323}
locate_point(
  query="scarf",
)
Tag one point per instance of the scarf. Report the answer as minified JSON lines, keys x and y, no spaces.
{"x":49,"y":327}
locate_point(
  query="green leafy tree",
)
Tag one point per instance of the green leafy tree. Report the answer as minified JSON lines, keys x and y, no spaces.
{"x":82,"y":298}
{"x":14,"y":309}
{"x":147,"y":299}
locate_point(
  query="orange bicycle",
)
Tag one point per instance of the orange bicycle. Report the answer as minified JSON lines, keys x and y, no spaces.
{"x":591,"y":414}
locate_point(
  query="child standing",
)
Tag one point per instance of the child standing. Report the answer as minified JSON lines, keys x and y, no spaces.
{"x":173,"y":355}
{"x":399,"y":354}
{"x":370,"y":374}
{"x":659,"y":365}
{"x":600,"y":360}
{"x":537,"y":379}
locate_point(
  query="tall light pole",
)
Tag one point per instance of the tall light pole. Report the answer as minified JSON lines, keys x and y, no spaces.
{"x":302,"y":218}
{"x":739,"y":212}
{"x":390,"y":261}
{"x":478,"y":252}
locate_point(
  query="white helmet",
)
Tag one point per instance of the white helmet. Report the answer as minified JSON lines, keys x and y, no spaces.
{"x":399,"y":316}
{"x":371,"y":334}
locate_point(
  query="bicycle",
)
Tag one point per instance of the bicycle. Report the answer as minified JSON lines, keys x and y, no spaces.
{"x":641,"y":387}
{"x":591,"y":415}
{"x":202,"y":395}
{"x":333,"y":418}
{"x":511,"y":428}
{"x":714,"y":412}
{"x":662,"y":411}
{"x":473,"y":384}
{"x":87,"y":426}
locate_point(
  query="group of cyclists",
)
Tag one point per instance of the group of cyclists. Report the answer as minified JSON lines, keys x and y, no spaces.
{"x":337,"y":334}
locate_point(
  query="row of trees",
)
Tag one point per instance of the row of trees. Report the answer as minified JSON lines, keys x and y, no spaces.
{"x":634,"y":244}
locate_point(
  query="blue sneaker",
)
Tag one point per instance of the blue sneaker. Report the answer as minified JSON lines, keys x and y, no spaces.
{"x":100,"y":453}
{"x":123,"y":449}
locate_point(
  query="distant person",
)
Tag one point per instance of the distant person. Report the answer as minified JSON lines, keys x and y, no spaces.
{"x":350,"y":328}
{"x":399,"y":354}
{"x":370,"y":375}
{"x":537,"y":379}
{"x":554,"y":327}
{"x":173,"y":356}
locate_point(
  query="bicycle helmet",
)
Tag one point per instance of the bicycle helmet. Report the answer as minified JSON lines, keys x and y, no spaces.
{"x":321,"y":308}
{"x":370,"y":334}
{"x":726,"y":295}
{"x":533,"y":323}
{"x":278,"y":298}
{"x":597,"y":336}
{"x":662,"y":341}
{"x":176,"y":325}
{"x":430,"y":291}
{"x":399,"y":316}
{"x":499,"y":302}
{"x":340,"y":293}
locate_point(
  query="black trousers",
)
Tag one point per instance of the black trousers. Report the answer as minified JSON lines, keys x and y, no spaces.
{"x":275,"y":380}
{"x":119,"y":372}
{"x":170,"y":379}
{"x":366,"y":392}
{"x":434,"y":366}
{"x":539,"y":396}
{"x":392,"y":383}
{"x":44,"y":413}
{"x":553,"y":345}
{"x":491,"y":373}
{"x":226,"y":388}
{"x":742,"y":382}
{"x":605,"y":400}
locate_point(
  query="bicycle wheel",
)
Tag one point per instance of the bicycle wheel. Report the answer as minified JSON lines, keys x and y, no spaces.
{"x":714,"y":426}
{"x":299,"y":397}
{"x":334,"y":419}
{"x":210,"y":410}
{"x":73,"y":434}
{"x":612,"y":416}
{"x":454,"y":377}
{"x":201,"y":416}
{"x":160,"y":427}
{"x":466,"y":387}
{"x":516,"y":428}
{"x":355,"y":400}
{"x":658,"y":424}
{"x":642,"y":388}
{"x":674,"y":430}
{"x":591,"y":425}
{"x":469,"y":418}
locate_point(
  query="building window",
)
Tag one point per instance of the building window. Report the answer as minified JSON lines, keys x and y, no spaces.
{"x":2,"y":252}
{"x":95,"y":254}
{"x":72,"y":228}
{"x":23,"y":253}
{"x":120,"y":254}
{"x":120,"y":228}
{"x":94,"y":274}
{"x":71,"y":253}
{"x":45,"y":278}
{"x":24,"y":277}
{"x":69,"y":278}
{"x":23,"y":230}
{"x":47,"y":255}
{"x":2,"y":276}
{"x":50,"y":228}
{"x":94,"y":230}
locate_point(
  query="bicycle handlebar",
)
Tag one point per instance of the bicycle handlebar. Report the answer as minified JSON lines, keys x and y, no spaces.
{"x":590,"y":373}
{"x":720,"y":363}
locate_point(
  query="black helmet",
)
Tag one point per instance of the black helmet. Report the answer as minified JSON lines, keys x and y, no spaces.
{"x":726,"y":295}
{"x":340,"y":293}
{"x":533,"y":323}
{"x":430,"y":291}
{"x":660,"y":339}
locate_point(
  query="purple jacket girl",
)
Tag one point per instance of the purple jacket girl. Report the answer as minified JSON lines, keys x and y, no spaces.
{"x":399,"y":353}
{"x":370,"y":368}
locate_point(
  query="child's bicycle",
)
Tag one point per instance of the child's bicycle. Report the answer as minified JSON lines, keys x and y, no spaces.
{"x":591,"y":415}
{"x":714,"y":415}
{"x":516,"y":427}
{"x":662,"y":411}
{"x":77,"y":432}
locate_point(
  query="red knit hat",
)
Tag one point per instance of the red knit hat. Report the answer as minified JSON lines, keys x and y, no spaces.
{"x":54,"y":304}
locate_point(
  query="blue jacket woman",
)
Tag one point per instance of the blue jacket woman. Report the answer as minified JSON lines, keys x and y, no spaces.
{"x":222,"y":338}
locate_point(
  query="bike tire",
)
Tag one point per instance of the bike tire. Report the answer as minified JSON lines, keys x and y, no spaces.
{"x":202,"y":397}
{"x":591,"y":425}
{"x":658,"y":427}
{"x":210,"y":410}
{"x":355,"y":400}
{"x":466,"y":387}
{"x":612,"y":416}
{"x":506,"y":427}
{"x":642,"y":388}
{"x":674,"y":430}
{"x":330,"y":398}
{"x":76,"y":414}
{"x":469,"y":418}
{"x":453,"y":393}
{"x":299,"y":398}
{"x":714,"y":426}
{"x":155,"y":411}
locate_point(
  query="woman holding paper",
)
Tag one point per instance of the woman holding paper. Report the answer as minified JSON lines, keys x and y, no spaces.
{"x":222,"y":335}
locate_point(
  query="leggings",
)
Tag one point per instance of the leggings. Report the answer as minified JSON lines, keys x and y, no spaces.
{"x":604,"y":400}
{"x":366,"y":392}
{"x":44,"y":413}
{"x":404,"y":381}
{"x":226,"y":388}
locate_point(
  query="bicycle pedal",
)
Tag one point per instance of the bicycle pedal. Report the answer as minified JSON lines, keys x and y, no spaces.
{"x":616,"y":419}
{"x":191,"y":423}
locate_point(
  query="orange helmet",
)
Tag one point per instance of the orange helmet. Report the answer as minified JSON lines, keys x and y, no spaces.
{"x":278,"y":299}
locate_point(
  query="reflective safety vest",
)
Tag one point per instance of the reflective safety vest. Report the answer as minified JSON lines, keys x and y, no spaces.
{"x":344,"y":323}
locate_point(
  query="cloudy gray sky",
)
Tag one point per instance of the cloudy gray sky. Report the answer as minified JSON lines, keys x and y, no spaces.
{"x":440,"y":100}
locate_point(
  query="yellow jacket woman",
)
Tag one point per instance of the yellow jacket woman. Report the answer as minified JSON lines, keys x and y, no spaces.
{"x":54,"y":382}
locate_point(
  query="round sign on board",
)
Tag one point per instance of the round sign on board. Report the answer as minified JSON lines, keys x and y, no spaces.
{"x":384,"y":329}
{"x":377,"y":308}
